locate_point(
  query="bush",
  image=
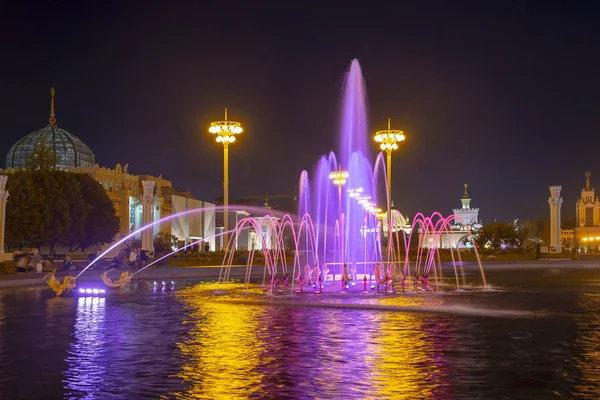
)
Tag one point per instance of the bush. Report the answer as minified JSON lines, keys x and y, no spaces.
{"x":164,"y":243}
{"x":8,"y":267}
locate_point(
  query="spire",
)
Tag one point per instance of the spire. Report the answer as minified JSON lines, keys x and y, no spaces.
{"x":587,"y":180}
{"x":266,"y":204}
{"x":466,"y":200}
{"x":52,"y":119}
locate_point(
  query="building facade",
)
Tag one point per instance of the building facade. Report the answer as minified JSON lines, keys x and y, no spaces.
{"x":466,"y":220}
{"x":133,"y":207}
{"x":587,"y":217}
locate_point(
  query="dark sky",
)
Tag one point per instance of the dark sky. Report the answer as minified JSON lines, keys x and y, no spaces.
{"x":500,"y":95}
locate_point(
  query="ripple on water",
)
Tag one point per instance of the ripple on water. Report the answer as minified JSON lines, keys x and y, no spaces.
{"x":229,"y":341}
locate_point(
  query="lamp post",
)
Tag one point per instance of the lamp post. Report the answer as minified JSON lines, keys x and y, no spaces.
{"x":225,"y":132}
{"x":339,"y":178}
{"x":388,"y":140}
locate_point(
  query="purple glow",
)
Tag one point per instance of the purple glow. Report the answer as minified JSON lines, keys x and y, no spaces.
{"x":148,"y":226}
{"x":91,"y":291}
{"x":335,"y":228}
{"x":180,"y":249}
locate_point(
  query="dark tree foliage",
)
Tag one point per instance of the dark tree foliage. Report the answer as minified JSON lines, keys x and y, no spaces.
{"x":25,"y":219}
{"x":499,"y":235}
{"x":53,"y":207}
{"x":134,"y":243}
{"x":42,"y":157}
{"x":63,"y":206}
{"x":164,"y":242}
{"x":101,"y":225}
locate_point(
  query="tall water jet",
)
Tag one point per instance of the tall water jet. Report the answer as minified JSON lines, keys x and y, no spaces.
{"x":304,"y":208}
{"x":354,"y":125}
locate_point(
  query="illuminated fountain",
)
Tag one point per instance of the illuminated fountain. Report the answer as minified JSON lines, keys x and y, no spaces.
{"x":340,"y":234}
{"x":340,"y":237}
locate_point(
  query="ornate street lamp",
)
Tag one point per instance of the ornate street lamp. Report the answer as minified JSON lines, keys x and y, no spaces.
{"x":339,"y":178}
{"x":388,"y":140}
{"x":225,"y":132}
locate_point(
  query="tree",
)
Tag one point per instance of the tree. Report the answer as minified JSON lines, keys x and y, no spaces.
{"x":100,"y":224}
{"x":134,"y":243}
{"x":499,"y":235}
{"x":25,"y":222}
{"x":42,"y":157}
{"x":63,"y":206}
{"x":164,"y":242}
{"x":53,"y":207}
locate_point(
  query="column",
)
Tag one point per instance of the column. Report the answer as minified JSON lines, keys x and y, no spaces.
{"x":148,"y":215}
{"x":124,"y":212}
{"x":3,"y":198}
{"x":555,"y":203}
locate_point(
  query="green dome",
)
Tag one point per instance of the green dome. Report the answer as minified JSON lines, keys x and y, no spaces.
{"x":68,"y":149}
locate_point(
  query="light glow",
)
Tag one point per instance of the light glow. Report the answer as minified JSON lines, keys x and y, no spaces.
{"x":339,"y":177}
{"x":225,"y":131}
{"x":389,"y":139}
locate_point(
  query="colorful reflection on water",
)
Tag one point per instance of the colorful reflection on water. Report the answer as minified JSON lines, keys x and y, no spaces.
{"x":223,"y":341}
{"x":222,"y":352}
{"x":85,"y":356}
{"x":587,"y":346}
{"x":244,"y":344}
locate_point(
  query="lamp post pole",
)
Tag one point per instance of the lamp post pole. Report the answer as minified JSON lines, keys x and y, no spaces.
{"x":388,"y":139}
{"x":226,"y":132}
{"x":339,"y":179}
{"x":225,"y":192}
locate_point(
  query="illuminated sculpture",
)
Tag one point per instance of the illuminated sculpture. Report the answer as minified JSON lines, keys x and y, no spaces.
{"x":59,"y":288}
{"x":345,"y":275}
{"x":316,"y":274}
{"x":120,"y":283}
{"x":325,"y":272}
{"x":308,"y":274}
{"x":377,"y":273}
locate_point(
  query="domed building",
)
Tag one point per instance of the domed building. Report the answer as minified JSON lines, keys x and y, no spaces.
{"x":68,"y":150}
{"x":138,"y":199}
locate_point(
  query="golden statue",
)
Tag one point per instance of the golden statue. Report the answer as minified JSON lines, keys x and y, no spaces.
{"x":345,"y":275}
{"x":59,"y":288}
{"x":120,"y":283}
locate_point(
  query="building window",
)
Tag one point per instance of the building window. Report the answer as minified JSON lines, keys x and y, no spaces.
{"x":589,"y":216}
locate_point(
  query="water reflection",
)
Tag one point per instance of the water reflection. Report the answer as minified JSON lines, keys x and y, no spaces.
{"x":86,"y":371}
{"x":401,"y":353}
{"x":587,"y":351}
{"x":245,"y":346}
{"x":123,"y":347}
{"x":222,"y":351}
{"x":239,"y":343}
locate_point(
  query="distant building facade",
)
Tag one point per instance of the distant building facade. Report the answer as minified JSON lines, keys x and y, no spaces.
{"x":587,"y":217}
{"x":125,"y":190}
{"x":466,"y":221}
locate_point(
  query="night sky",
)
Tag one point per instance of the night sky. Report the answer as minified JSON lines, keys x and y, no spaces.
{"x":500,"y":95}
